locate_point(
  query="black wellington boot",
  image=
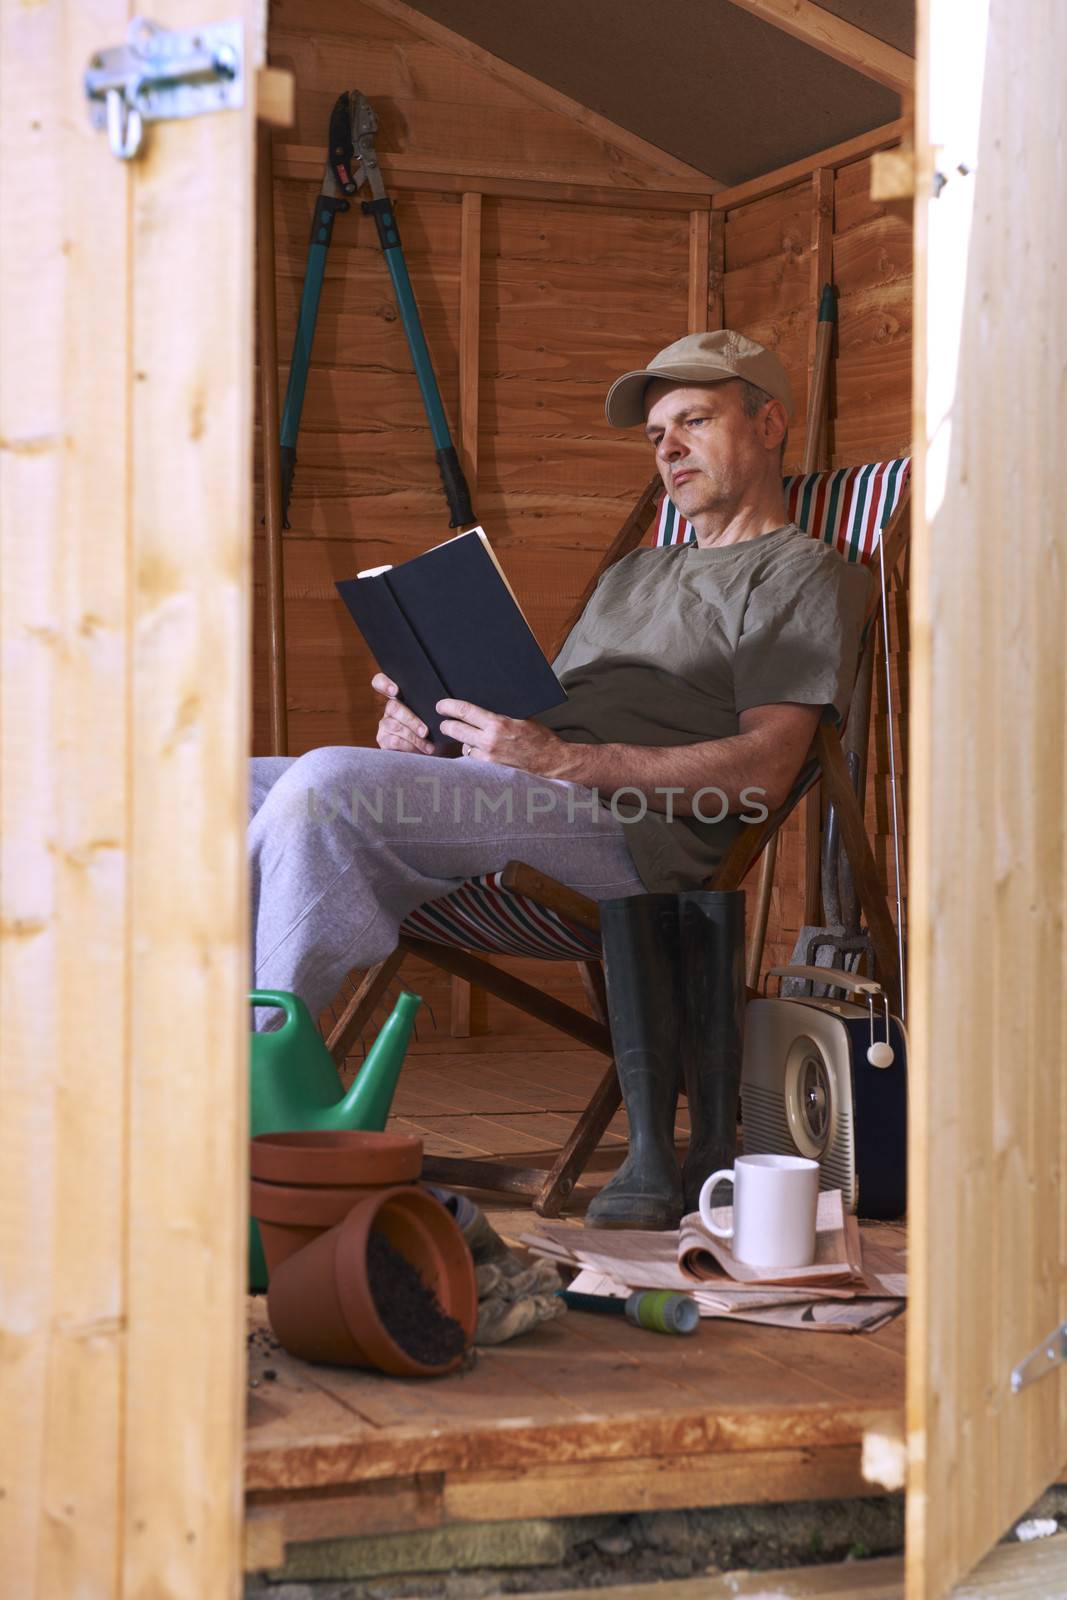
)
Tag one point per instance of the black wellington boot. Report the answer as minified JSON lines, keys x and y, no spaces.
{"x":712,"y":926}
{"x":642,"y":970}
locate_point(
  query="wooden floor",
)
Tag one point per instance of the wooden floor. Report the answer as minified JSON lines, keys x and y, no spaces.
{"x":586,"y":1414}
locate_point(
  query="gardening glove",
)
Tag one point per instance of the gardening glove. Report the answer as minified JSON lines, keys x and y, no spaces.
{"x":512,"y":1296}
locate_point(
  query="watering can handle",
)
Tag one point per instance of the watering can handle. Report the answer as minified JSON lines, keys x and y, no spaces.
{"x":282,"y":1000}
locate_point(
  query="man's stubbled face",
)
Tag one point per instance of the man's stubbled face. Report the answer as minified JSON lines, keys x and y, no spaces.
{"x":709,"y":454}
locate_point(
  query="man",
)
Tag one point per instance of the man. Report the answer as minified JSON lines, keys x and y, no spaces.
{"x":695,"y":679}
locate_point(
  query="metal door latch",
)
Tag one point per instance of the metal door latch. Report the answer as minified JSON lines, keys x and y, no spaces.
{"x":163,"y":73}
{"x":1050,"y":1353}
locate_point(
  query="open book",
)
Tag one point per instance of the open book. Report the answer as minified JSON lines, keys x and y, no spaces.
{"x":446,"y":624}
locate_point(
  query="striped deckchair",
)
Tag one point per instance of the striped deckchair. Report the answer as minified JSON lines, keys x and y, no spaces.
{"x":520,"y":912}
{"x":846,"y":508}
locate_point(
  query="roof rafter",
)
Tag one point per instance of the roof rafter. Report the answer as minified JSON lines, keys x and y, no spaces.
{"x":824,"y":31}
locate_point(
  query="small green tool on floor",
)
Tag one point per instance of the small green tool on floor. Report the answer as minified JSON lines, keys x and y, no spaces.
{"x":659,"y":1310}
{"x":294,"y":1084}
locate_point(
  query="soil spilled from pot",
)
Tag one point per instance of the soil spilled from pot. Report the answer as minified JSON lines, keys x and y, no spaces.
{"x":409,"y":1309}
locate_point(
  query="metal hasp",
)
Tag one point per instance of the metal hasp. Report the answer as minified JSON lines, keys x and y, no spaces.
{"x":160,"y":74}
{"x":1050,"y":1354}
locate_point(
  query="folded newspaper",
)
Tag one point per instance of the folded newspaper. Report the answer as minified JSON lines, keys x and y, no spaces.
{"x":855,"y":1284}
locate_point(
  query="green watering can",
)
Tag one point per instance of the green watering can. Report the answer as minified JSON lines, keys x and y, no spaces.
{"x":294,"y":1084}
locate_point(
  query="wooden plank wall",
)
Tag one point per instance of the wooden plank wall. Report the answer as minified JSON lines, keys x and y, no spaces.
{"x":546,"y":259}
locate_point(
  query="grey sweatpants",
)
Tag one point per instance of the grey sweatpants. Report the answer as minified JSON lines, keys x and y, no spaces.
{"x":345,"y":841}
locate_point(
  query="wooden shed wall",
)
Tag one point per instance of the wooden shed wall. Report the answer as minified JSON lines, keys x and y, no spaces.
{"x":546,"y":257}
{"x":555,"y":296}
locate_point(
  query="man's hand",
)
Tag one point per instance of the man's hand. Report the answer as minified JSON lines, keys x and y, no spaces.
{"x":509,"y":741}
{"x":399,"y":729}
{"x":757,"y":764}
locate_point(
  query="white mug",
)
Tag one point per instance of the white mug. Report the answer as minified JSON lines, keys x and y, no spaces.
{"x":774,"y":1209}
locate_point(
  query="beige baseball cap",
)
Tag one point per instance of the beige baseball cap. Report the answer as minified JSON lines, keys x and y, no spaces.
{"x":698,"y":358}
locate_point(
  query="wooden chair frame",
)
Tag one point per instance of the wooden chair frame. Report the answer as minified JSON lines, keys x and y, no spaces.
{"x":549,"y":1190}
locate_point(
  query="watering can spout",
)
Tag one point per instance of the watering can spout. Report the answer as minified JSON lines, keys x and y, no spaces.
{"x":366,"y":1105}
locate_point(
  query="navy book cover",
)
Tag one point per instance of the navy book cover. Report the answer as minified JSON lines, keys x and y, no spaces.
{"x":446,"y":625}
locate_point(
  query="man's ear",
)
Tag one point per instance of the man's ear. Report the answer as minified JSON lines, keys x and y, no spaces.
{"x":774,"y":424}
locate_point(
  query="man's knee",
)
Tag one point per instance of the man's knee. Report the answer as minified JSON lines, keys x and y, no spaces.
{"x":353,"y":784}
{"x":311,"y":786}
{"x":263,"y":773}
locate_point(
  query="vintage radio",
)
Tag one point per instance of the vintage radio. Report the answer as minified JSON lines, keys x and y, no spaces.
{"x":827,"y":1079}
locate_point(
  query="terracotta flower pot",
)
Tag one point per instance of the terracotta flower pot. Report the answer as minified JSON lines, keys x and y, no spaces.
{"x":304,"y":1183}
{"x":320,"y":1301}
{"x":333,"y":1157}
{"x":290,"y":1217}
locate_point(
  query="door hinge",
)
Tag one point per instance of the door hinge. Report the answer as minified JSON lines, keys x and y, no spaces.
{"x":163,"y":73}
{"x":1050,"y":1354}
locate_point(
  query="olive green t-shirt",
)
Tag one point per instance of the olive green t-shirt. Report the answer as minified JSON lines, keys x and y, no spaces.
{"x":675,"y":643}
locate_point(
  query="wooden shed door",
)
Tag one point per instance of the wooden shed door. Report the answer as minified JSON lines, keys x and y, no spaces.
{"x":125,"y":467}
{"x":988,"y":796}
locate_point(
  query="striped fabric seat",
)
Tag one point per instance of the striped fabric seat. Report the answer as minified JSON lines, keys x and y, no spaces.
{"x":847,"y":508}
{"x":483,"y":915}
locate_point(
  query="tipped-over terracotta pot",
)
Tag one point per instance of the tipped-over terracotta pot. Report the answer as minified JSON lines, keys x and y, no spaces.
{"x":303,"y":1183}
{"x":320,"y":1302}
